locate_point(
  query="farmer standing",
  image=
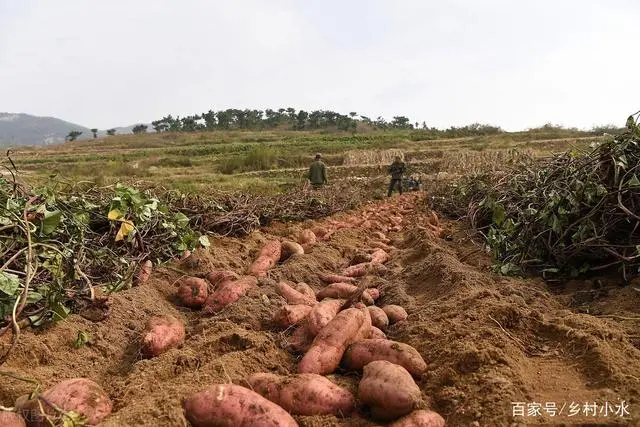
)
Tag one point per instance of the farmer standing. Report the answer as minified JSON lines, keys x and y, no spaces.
{"x":317,"y":173}
{"x":396,"y":170}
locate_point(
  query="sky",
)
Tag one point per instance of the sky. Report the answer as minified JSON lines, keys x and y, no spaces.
{"x":514,"y":64}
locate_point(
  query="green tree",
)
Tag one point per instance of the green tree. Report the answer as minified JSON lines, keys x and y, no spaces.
{"x":94,"y":131}
{"x":73,"y":135}
{"x":139,"y":129}
{"x":111,"y":132}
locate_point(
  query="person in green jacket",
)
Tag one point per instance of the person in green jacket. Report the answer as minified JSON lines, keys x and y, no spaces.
{"x":317,"y":173}
{"x":396,"y":170}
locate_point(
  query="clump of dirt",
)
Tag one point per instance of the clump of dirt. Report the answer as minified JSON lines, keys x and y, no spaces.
{"x":488,"y":340}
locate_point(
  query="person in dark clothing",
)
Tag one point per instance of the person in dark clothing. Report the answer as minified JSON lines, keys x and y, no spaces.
{"x":317,"y":173}
{"x":396,"y":170}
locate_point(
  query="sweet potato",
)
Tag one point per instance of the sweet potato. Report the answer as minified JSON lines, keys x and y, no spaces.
{"x":360,"y":353}
{"x":300,"y":340}
{"x":365,"y":329}
{"x":260,"y":266}
{"x":379,"y":257}
{"x":377,"y":334}
{"x":322,"y":313}
{"x":218,"y":276}
{"x":335,"y":278}
{"x":289,"y":315}
{"x":80,"y":395}
{"x":360,"y":258}
{"x":292,"y":296}
{"x":161,"y":334}
{"x":11,"y":419}
{"x":336,"y":290}
{"x":227,"y":293}
{"x":230,"y":405}
{"x":374,"y":293}
{"x":379,"y":318}
{"x":145,"y":272}
{"x":304,"y":394}
{"x":307,"y":237}
{"x":420,"y":418}
{"x":193,"y":292}
{"x":395,"y":313}
{"x":329,"y":345}
{"x":322,"y":233}
{"x":289,"y":249}
{"x":268,"y":256}
{"x":388,"y":389}
{"x":363,"y":269}
{"x":304,"y":289}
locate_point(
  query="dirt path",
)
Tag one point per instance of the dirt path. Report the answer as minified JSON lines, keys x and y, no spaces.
{"x":494,"y":345}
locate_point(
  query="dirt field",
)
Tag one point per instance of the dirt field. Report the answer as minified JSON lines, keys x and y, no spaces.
{"x":489,"y":341}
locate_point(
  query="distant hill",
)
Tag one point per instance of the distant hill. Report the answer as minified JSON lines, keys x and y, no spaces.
{"x":25,"y":129}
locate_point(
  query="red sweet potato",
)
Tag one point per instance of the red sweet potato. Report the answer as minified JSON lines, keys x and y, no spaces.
{"x":395,"y":313}
{"x":329,"y":345}
{"x":145,"y":272}
{"x":379,"y":318}
{"x":335,"y":278}
{"x":361,"y":353}
{"x":420,"y":418}
{"x":322,"y":313}
{"x":360,"y":258}
{"x":304,"y":394}
{"x":227,"y":293}
{"x":307,"y":237}
{"x":388,"y":389}
{"x":363,"y":269}
{"x":289,"y":249}
{"x":218,"y":276}
{"x":260,"y":266}
{"x":336,"y":290}
{"x":300,"y":340}
{"x":11,"y":419}
{"x":304,"y":289}
{"x":80,"y":395}
{"x":374,"y":293}
{"x":161,"y":334}
{"x":322,"y":233}
{"x":365,"y":329}
{"x":379,"y":257}
{"x":377,"y":334}
{"x":230,"y":405}
{"x":292,"y":296}
{"x":193,"y":292}
{"x":289,"y":315}
{"x":268,"y":256}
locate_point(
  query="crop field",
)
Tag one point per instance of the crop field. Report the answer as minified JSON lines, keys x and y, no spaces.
{"x":185,"y":278}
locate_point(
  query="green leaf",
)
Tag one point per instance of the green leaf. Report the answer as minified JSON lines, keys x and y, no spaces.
{"x":634,"y":181}
{"x":498,"y":214}
{"x":33,"y":297}
{"x":60,"y":312}
{"x":204,"y":241}
{"x":181,"y":219}
{"x":51,"y":221}
{"x":82,"y":339}
{"x":9,"y":283}
{"x":5,"y":221}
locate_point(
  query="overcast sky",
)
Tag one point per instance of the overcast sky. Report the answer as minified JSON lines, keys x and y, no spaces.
{"x":516,"y":64}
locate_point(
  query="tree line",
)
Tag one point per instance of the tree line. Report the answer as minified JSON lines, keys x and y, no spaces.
{"x":287,"y":118}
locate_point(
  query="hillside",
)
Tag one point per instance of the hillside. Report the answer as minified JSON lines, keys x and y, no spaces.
{"x":18,"y":129}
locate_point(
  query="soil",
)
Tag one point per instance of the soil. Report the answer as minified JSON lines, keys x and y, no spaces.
{"x":489,"y":341}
